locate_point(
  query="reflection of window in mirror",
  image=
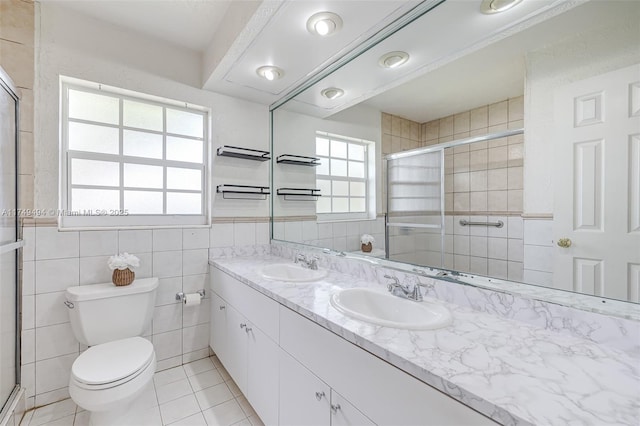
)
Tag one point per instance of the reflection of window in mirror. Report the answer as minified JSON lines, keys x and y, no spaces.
{"x":346,"y":177}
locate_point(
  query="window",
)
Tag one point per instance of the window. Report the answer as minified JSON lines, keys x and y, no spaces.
{"x":131,"y":160}
{"x":344,"y":177}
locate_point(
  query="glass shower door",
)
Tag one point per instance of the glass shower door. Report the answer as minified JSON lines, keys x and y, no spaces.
{"x":415,"y":207}
{"x":9,"y":244}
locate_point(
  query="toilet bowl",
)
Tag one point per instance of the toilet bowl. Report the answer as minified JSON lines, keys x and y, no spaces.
{"x":107,"y":379}
{"x":118,"y":367}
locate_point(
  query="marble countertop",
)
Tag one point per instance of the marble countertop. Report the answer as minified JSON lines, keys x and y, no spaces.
{"x":514,"y":373}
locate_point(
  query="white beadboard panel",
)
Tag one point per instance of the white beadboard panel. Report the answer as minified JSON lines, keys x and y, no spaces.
{"x":50,"y":309}
{"x":98,"y":243}
{"x":167,"y":318}
{"x":195,"y":338}
{"x":195,"y":238}
{"x":538,"y":258}
{"x":167,"y":239}
{"x":221,"y":235}
{"x":195,"y":262}
{"x":55,"y":341}
{"x":57,"y":275}
{"x":53,"y":373}
{"x":167,"y":289}
{"x":131,"y":241}
{"x":95,"y":270}
{"x":28,"y":278}
{"x":167,"y":264}
{"x":538,"y":232}
{"x":168,"y":345}
{"x":52,"y":244}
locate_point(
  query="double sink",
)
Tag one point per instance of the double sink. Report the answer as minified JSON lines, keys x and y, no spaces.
{"x":366,"y":304}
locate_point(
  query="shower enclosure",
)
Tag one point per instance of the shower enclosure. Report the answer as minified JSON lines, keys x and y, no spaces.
{"x":10,"y":244}
{"x":415,"y":207}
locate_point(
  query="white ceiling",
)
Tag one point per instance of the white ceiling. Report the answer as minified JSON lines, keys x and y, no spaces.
{"x":186,"y":23}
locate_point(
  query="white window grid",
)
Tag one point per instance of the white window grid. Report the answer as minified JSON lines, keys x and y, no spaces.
{"x":331,"y":177}
{"x":132,"y":219}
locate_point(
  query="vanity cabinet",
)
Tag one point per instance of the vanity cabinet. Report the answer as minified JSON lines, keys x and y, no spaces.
{"x":295,"y":372}
{"x":305,"y":400}
{"x":247,"y":352}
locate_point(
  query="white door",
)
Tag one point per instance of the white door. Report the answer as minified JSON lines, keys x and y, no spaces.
{"x":597,"y":185}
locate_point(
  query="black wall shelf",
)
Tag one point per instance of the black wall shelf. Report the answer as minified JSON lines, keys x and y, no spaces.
{"x":299,"y":194}
{"x":243,"y":192}
{"x":298,"y":160}
{"x":244,"y":153}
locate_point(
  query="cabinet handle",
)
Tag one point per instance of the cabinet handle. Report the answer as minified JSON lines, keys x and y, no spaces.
{"x":243,"y":325}
{"x":248,"y":329}
{"x":335,"y":408}
{"x":319,"y":395}
{"x":222,"y":307}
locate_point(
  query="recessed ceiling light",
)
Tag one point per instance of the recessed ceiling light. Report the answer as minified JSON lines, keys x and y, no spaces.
{"x":496,"y":6}
{"x":270,"y":72}
{"x":324,"y":24}
{"x":332,"y":93}
{"x":393,"y":59}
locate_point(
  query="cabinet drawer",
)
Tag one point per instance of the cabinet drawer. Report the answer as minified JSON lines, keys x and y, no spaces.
{"x":387,"y":395}
{"x":255,"y":306}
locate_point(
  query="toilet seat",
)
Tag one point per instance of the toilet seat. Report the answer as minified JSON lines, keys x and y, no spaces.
{"x":112,"y":364}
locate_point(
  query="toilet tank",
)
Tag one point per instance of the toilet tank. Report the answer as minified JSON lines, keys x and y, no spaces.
{"x":101,"y":313}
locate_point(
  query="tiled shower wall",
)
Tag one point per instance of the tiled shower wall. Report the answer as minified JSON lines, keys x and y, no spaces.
{"x":55,"y":260}
{"x":483,"y":183}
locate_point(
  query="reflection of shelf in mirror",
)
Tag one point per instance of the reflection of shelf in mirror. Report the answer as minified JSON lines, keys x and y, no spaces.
{"x":243,"y":192}
{"x":299,"y":194}
{"x":298,"y":160}
{"x":244,"y":153}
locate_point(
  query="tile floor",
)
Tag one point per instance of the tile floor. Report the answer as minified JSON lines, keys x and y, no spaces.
{"x":198,"y":393}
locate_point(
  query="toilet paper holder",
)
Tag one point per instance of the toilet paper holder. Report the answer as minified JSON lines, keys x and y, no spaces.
{"x":180,"y":295}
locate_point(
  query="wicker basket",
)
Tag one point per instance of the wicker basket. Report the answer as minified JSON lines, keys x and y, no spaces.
{"x":122,"y":277}
{"x":366,"y":247}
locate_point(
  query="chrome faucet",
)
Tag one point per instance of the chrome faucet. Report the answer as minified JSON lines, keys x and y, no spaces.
{"x":404,"y":291}
{"x":307,"y":263}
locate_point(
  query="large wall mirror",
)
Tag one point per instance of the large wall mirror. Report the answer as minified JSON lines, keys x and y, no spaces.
{"x":501,"y":145}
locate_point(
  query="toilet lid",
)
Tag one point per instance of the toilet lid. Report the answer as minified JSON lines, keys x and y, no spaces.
{"x":112,"y":361}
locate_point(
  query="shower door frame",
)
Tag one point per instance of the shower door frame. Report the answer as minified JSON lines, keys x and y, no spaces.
{"x":434,"y":148}
{"x":7,"y":84}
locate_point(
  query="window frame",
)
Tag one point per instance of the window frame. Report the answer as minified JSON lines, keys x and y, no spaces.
{"x":368,"y":180}
{"x":70,"y":220}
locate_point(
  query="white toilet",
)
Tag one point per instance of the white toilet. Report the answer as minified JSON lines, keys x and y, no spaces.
{"x":107,"y":378}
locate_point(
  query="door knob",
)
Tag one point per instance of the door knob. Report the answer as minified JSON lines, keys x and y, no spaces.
{"x":564,"y":242}
{"x":222,"y":307}
{"x":243,"y":325}
{"x":319,"y":395}
{"x":335,"y":408}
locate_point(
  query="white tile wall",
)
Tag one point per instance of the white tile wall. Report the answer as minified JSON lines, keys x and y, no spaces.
{"x":56,"y":260}
{"x":538,"y":252}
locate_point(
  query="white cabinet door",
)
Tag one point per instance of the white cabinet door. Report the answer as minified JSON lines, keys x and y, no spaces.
{"x":236,"y":348}
{"x":218,"y":328}
{"x":263,"y":374}
{"x":304,"y":399}
{"x":343,"y":413}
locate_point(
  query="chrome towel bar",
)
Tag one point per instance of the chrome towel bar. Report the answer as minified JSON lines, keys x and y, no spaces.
{"x":498,"y":224}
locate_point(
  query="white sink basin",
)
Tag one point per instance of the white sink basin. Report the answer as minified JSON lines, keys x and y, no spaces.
{"x":390,"y":311}
{"x":291,"y":272}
